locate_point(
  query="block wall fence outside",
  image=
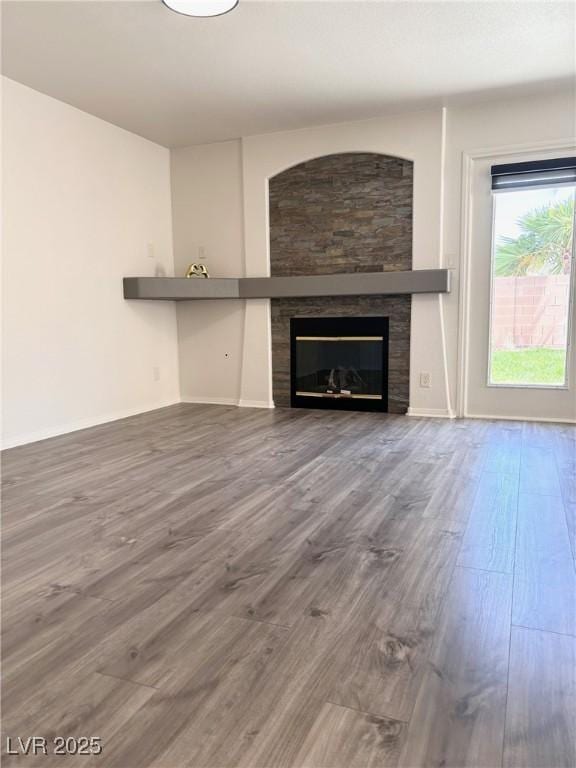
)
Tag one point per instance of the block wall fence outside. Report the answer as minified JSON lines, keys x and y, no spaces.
{"x":530,"y":311}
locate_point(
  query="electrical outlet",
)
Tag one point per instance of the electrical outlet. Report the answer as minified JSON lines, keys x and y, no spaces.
{"x":150,"y":250}
{"x":425,"y":380}
{"x":156,"y":373}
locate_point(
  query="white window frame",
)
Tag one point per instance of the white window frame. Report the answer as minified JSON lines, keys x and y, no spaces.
{"x":571,"y":290}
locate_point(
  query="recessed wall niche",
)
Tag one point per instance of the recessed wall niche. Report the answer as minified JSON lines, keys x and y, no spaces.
{"x":347,"y":212}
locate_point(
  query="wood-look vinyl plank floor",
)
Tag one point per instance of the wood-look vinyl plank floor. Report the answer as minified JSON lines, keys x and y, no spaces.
{"x":541,"y":716}
{"x":459,"y":714}
{"x":490,"y":536}
{"x":215,"y":587}
{"x":346,"y":738}
{"x":545,"y":578}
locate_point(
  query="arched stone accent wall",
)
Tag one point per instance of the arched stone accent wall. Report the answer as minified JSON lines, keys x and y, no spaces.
{"x":346,"y":212}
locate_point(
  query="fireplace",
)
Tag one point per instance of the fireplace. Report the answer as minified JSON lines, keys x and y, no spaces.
{"x":342,"y":213}
{"x":339,"y":363}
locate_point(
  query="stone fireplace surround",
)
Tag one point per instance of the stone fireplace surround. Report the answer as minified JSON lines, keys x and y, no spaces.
{"x":342,"y":213}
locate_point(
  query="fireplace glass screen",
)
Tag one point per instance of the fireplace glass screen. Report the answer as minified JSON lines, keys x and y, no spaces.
{"x":340,"y":362}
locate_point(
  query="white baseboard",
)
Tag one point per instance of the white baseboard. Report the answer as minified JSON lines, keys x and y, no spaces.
{"x":75,"y":426}
{"x":209,"y":400}
{"x":255,"y":404}
{"x":519,"y":418}
{"x":430,"y":413}
{"x":227,"y":401}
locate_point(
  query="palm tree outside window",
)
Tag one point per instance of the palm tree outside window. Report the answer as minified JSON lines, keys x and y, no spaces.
{"x":532,"y":263}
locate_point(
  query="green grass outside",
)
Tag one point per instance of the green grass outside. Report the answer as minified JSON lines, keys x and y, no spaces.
{"x":537,"y":365}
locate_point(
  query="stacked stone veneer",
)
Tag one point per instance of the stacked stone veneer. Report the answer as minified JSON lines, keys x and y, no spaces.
{"x":347,"y":212}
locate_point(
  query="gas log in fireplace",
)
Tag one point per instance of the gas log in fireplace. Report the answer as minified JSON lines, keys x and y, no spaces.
{"x":339,"y":363}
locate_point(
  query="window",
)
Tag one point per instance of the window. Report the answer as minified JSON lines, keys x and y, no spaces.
{"x":532,"y":263}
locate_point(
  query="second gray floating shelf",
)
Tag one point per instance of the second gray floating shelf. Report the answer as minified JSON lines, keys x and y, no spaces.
{"x":353,"y":284}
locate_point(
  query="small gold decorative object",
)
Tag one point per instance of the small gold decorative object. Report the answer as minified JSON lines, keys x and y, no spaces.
{"x":197,"y":270}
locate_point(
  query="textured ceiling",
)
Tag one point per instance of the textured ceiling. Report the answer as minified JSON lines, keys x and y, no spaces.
{"x":275,"y":65}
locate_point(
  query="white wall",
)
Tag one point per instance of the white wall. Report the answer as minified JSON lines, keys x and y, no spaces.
{"x":84,"y":203}
{"x":208,"y":226}
{"x":435,"y":141}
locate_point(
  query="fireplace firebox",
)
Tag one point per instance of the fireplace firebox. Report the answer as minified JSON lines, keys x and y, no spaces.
{"x":339,"y":363}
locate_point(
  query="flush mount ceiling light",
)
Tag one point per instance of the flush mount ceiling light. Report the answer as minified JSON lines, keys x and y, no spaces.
{"x":201,"y":7}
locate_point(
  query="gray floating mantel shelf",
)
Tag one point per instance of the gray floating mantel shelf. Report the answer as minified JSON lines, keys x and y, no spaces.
{"x":354,"y":284}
